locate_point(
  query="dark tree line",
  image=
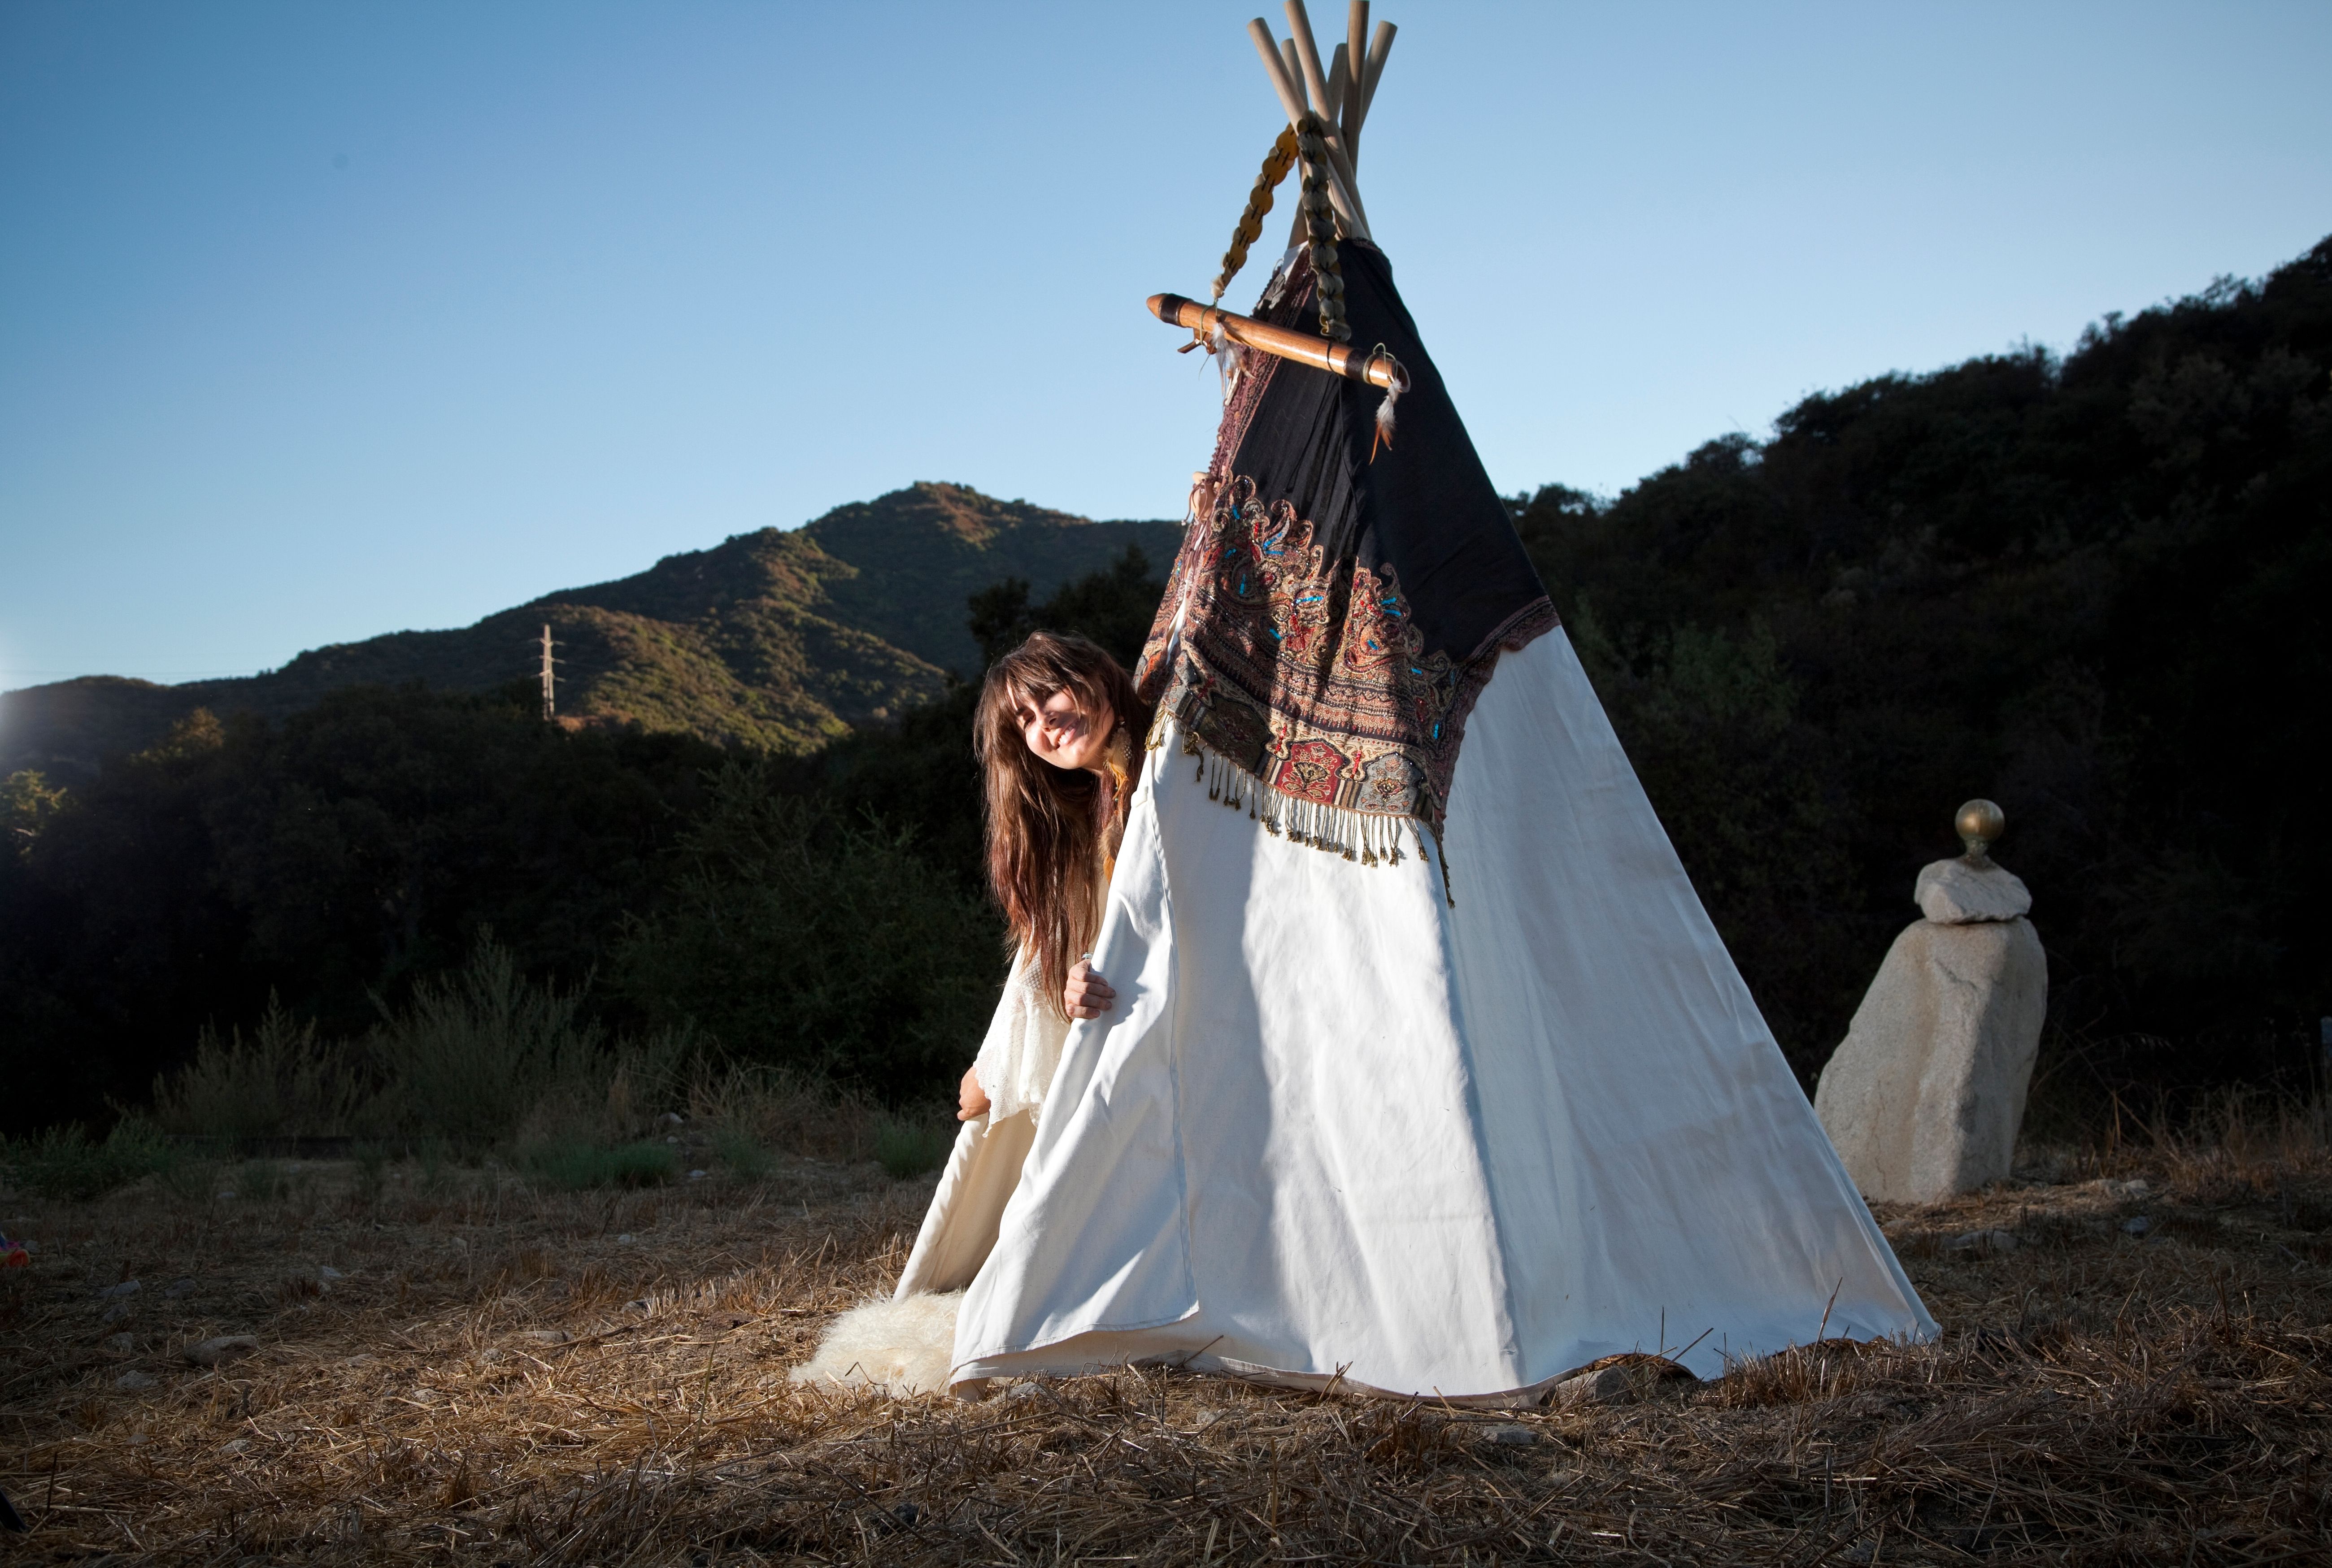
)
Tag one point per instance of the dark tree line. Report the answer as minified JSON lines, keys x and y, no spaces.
{"x":328,"y":859}
{"x":823,"y":910}
{"x":2092,"y":589}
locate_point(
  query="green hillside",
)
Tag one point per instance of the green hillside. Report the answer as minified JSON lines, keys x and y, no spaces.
{"x":780,"y":639}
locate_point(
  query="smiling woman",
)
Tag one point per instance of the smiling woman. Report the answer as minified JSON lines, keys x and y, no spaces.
{"x":1056,"y":730}
{"x":1056,"y":734}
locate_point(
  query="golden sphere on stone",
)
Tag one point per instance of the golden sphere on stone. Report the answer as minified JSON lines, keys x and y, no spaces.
{"x":1979,"y":823}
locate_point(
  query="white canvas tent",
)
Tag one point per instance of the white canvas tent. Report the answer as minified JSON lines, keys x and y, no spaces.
{"x":1429,"y":1073}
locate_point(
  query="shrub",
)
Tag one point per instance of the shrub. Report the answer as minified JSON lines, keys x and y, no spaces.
{"x":472,"y":1055}
{"x":66,"y":1162}
{"x":741,"y":1155}
{"x":258,"y":1181}
{"x":908,"y":1148}
{"x":779,"y":1108}
{"x":575,"y":1166}
{"x":802,"y":940}
{"x":484,"y":1057}
{"x":278,"y":1082}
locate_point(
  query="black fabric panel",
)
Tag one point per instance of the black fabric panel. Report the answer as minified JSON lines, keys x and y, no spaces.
{"x":1424,"y":507}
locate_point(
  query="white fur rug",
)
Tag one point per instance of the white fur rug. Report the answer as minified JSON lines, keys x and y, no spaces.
{"x":905,"y":1346}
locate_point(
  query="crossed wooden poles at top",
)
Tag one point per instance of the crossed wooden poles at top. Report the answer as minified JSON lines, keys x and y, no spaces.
{"x":1339,"y":93}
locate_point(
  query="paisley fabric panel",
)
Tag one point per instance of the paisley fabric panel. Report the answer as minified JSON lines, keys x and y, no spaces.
{"x":1338,"y":603}
{"x":1311,"y":673}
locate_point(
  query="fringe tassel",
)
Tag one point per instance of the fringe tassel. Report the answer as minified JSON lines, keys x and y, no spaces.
{"x":1368,"y":838}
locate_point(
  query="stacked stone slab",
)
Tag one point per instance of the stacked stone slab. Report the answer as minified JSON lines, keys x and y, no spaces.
{"x":1924,"y":1099}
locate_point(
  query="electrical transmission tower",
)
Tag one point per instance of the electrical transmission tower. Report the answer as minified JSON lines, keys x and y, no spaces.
{"x":550,"y":681}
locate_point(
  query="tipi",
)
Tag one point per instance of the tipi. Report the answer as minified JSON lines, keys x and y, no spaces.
{"x":1428,"y":1074}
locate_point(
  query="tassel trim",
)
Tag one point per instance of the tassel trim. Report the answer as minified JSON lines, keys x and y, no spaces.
{"x":1369,"y":838}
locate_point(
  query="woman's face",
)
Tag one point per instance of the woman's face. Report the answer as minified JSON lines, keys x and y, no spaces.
{"x":1062,"y":733}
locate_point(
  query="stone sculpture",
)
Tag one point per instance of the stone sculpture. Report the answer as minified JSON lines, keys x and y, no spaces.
{"x":1924,"y":1099}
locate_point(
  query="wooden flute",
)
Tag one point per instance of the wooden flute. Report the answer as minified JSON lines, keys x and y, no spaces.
{"x":1320,"y":353}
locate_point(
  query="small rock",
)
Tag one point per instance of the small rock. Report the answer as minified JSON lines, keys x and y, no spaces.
{"x":1610,"y":1386}
{"x":115,"y":1292}
{"x":671,"y":1139}
{"x":327,"y":1274}
{"x":2136,"y":1224}
{"x":696,"y":1175}
{"x":114,"y":1314}
{"x":490,"y":1356}
{"x":625,"y":1239}
{"x":1954,"y":893}
{"x":1982,"y":1243}
{"x":672,"y":1118}
{"x":120,"y":1342}
{"x":637,"y":1304}
{"x":2137,"y":1187}
{"x":1509,"y":1435}
{"x":133,"y":1380}
{"x":179,"y":1287}
{"x":235,"y":1445}
{"x":226,"y":1192}
{"x":220,"y":1349}
{"x":546,"y":1336}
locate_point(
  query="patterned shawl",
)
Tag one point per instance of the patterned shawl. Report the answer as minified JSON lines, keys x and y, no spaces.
{"x":1334,"y":612}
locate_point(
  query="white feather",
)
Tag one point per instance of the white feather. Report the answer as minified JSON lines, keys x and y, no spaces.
{"x":1398,"y":385}
{"x":1230,"y":357}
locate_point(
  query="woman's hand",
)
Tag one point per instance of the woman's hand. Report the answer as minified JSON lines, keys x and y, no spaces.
{"x":1087,"y":995}
{"x":971,"y":1097}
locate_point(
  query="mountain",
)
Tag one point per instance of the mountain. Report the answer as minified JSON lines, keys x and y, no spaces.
{"x":777,"y":638}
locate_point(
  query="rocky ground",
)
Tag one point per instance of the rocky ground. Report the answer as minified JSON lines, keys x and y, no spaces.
{"x":393,"y":1364}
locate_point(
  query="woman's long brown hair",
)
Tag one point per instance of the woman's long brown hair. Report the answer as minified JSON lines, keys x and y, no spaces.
{"x":1045,"y":823}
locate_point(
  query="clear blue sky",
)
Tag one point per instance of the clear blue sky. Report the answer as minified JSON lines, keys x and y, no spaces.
{"x":324,"y":319}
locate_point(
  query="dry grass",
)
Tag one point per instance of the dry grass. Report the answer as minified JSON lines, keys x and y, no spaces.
{"x":506,"y":1375}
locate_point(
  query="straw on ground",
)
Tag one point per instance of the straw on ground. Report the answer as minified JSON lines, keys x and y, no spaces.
{"x":473,"y":1363}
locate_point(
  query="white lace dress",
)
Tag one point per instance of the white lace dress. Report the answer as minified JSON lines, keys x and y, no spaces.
{"x":1015,"y":1066}
{"x":1023,"y":1045}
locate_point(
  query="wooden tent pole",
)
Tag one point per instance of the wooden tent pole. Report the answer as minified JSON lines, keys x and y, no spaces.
{"x":1356,"y":69}
{"x":1340,"y":86}
{"x":1291,"y":99}
{"x":1308,"y":51}
{"x":1378,"y":49}
{"x":1320,"y":353}
{"x":1297,"y":233}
